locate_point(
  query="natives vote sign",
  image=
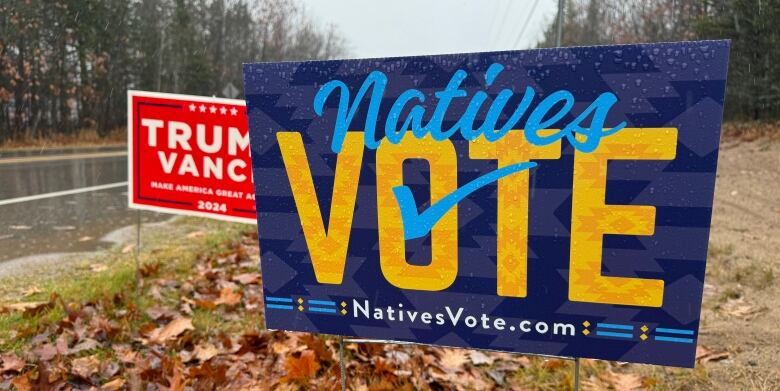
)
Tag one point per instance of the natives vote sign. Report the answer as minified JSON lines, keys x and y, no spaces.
{"x":189,"y":155}
{"x":552,"y":201}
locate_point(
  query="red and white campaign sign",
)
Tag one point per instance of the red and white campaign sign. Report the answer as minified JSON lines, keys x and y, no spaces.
{"x":189,"y":155}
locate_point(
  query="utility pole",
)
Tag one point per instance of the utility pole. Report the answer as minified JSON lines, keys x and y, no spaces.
{"x":558,"y":40}
{"x":559,"y":23}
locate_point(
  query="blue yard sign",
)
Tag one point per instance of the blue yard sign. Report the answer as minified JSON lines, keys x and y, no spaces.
{"x":552,"y":201}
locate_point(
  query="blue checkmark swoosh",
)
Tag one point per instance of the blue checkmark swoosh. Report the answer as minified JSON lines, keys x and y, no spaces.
{"x":417,"y":225}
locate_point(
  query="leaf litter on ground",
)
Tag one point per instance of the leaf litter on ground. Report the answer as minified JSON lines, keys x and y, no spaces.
{"x":201,"y":329}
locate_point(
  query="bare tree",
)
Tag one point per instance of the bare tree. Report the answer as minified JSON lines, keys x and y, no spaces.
{"x":65,"y":64}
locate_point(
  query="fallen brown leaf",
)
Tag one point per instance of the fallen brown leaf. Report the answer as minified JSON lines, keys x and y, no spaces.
{"x":109,"y":369}
{"x":214,"y":376}
{"x":205,"y":304}
{"x":48,"y":379}
{"x":62,"y":342}
{"x":301,"y":368}
{"x":177,"y":381}
{"x":228,"y":297}
{"x":205,"y":352}
{"x":84,"y":345}
{"x":22,"y":382}
{"x":113,"y":385}
{"x":158,"y":313}
{"x":523,"y":361}
{"x":45,"y":352}
{"x":31,"y":291}
{"x":740,"y":309}
{"x":479,"y":358}
{"x":196,"y":234}
{"x":553,"y":364}
{"x":125,"y":353}
{"x":281,"y":349}
{"x":623,"y":381}
{"x":704,"y":355}
{"x":85,"y":366}
{"x":384,"y":368}
{"x":247,"y":278}
{"x":149,"y":269}
{"x":11,"y":363}
{"x":28,"y":308}
{"x":452,"y":360}
{"x":172,"y":330}
{"x":319,"y":347}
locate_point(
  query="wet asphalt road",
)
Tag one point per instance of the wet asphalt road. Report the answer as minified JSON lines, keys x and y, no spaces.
{"x":70,"y":223}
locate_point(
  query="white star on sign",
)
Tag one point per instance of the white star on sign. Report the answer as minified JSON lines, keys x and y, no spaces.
{"x":222,"y":110}
{"x":192,"y":106}
{"x":202,"y":108}
{"x":213,"y":109}
{"x":233,"y":111}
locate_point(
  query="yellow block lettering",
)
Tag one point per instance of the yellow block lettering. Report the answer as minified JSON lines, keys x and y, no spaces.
{"x":512,"y":220}
{"x":591,"y":218}
{"x":328,"y":250}
{"x":443,"y":161}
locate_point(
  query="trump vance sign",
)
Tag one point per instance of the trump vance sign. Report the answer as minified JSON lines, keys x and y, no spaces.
{"x":189,"y":155}
{"x":552,"y":201}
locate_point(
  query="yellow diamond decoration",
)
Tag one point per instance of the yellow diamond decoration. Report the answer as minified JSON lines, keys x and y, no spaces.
{"x":586,"y":323}
{"x":300,"y":301}
{"x":300,"y":308}
{"x":643,"y":337}
{"x":644,"y":328}
{"x":586,"y":331}
{"x":343,"y":304}
{"x":343,"y":312}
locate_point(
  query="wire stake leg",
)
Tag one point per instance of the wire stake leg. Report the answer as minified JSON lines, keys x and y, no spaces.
{"x":342,"y":364}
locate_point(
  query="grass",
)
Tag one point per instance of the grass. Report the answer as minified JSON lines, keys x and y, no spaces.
{"x":735,"y":276}
{"x":548,"y":374}
{"x":716,"y":250}
{"x":169,"y":247}
{"x":81,"y":138}
{"x":16,"y":329}
{"x":755,"y":275}
{"x":740,"y":270}
{"x":751,"y":130}
{"x":558,"y":374}
{"x":730,"y":293}
{"x":671,"y":379}
{"x":215,"y":322}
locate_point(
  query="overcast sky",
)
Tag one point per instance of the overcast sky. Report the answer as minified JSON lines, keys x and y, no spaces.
{"x":383,"y":28}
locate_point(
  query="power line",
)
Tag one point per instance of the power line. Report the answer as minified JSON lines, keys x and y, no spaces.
{"x":493,"y":37}
{"x":491,"y":29}
{"x":525,"y":25}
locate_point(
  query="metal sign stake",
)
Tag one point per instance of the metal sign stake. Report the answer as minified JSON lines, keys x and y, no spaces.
{"x":576,"y":374}
{"x":138,"y":255}
{"x":342,"y":364}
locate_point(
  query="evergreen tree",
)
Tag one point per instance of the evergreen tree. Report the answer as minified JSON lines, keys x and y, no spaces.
{"x":753,"y":85}
{"x":753,"y":90}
